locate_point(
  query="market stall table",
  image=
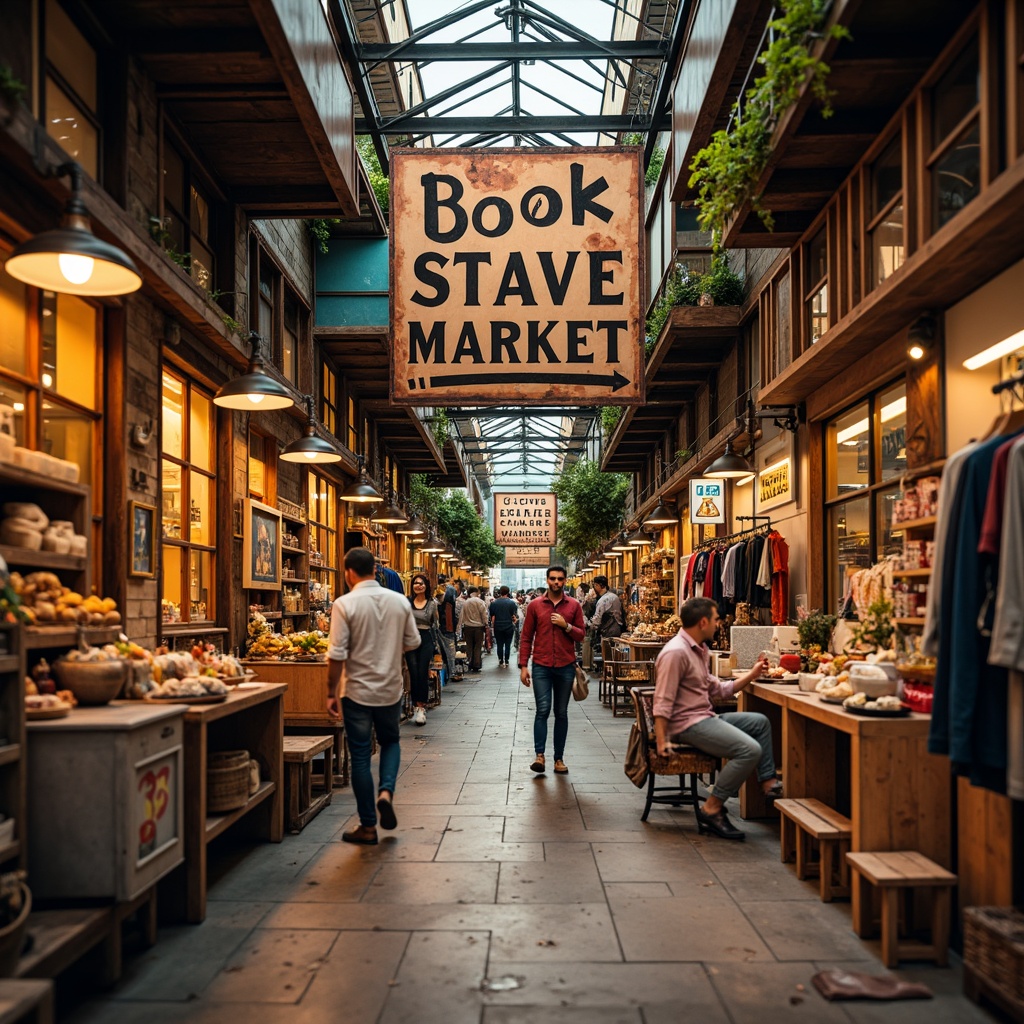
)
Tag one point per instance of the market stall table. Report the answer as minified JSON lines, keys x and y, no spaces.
{"x":769,"y":699}
{"x":251,"y":718}
{"x":643,"y":650}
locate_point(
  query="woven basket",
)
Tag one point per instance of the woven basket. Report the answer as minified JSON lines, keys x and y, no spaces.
{"x":994,"y":948}
{"x":227,"y":780}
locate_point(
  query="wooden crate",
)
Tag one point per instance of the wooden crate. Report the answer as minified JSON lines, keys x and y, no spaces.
{"x":307,"y":686}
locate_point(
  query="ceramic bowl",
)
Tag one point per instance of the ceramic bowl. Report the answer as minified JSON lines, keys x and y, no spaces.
{"x":92,"y":682}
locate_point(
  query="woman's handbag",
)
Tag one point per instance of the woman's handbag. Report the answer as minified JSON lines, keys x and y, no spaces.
{"x":635,"y":765}
{"x":580,"y":685}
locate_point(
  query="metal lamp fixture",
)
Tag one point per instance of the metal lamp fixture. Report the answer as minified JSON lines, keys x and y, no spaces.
{"x":310,"y":447}
{"x":412,"y":527}
{"x":390,"y":515}
{"x":255,"y":389}
{"x":621,"y":543}
{"x":640,"y":539}
{"x":659,"y":517}
{"x":432,"y":546}
{"x":729,"y":465}
{"x":362,"y":491}
{"x":71,"y":259}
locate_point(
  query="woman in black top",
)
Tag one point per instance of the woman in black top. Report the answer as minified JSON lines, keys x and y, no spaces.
{"x":424,"y":611}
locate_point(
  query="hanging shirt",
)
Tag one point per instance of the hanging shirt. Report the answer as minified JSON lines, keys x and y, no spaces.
{"x":780,"y":578}
{"x":729,"y":572}
{"x":1007,"y":648}
{"x":764,"y":571}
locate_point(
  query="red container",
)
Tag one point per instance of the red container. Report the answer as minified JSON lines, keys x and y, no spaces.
{"x":790,"y":662}
{"x":918,"y":696}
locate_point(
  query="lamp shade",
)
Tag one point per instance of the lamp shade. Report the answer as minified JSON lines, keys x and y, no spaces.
{"x":640,"y":539}
{"x":432,"y":546}
{"x":254,"y":390}
{"x":390,"y":515}
{"x":310,"y":448}
{"x":621,"y":543}
{"x":411,"y":527}
{"x":361,"y":492}
{"x":71,"y":259}
{"x":659,"y":517}
{"x":729,"y":465}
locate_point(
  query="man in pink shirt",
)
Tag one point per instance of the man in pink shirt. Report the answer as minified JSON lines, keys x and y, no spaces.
{"x":684,"y":713}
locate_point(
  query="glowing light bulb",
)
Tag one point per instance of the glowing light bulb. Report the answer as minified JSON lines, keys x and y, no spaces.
{"x":77,"y":269}
{"x":310,"y":455}
{"x":47,"y":380}
{"x":255,"y":399}
{"x":19,"y":406}
{"x":916,"y":352}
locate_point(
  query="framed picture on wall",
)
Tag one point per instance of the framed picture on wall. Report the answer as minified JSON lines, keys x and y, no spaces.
{"x":261,"y":547}
{"x":141,"y":523}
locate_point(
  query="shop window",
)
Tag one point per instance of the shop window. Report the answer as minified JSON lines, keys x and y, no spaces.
{"x":955,"y":161}
{"x":352,"y":426}
{"x":328,"y":398}
{"x":188,"y":512}
{"x":816,"y":285}
{"x":885,"y":227}
{"x":188,"y":213}
{"x":262,"y":470}
{"x":14,"y":321}
{"x":68,"y":330}
{"x":71,"y":93}
{"x":865,"y":453}
{"x":281,"y":318}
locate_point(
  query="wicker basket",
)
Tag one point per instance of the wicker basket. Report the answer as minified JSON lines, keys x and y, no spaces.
{"x":227,"y":780}
{"x":994,"y":948}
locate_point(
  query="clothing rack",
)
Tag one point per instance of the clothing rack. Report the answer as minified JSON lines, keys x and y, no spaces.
{"x":1010,"y":384}
{"x":728,"y":538}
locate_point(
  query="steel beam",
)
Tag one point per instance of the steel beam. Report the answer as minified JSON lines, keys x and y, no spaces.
{"x":567,"y":49}
{"x":511,"y":125}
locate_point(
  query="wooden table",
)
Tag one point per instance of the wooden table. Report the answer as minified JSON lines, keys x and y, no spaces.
{"x":26,"y":1001}
{"x":769,"y":699}
{"x":252,"y":718}
{"x":642,"y":650}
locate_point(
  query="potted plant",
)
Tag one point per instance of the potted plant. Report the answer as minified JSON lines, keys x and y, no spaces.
{"x":15,"y":906}
{"x":815,"y":633}
{"x":875,"y":631}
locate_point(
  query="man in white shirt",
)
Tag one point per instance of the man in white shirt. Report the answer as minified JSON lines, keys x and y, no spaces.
{"x":366,"y":624}
{"x":473,"y":622}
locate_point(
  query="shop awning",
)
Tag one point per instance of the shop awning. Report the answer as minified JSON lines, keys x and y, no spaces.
{"x":260,"y":90}
{"x":692,"y":345}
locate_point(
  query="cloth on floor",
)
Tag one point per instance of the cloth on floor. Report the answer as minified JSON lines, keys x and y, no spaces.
{"x":840,"y":984}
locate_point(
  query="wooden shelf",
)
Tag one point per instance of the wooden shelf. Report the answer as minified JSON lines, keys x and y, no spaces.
{"x":39,"y":637}
{"x":913,"y":620}
{"x":10,"y":850}
{"x":292,"y":579}
{"x":321,"y":568}
{"x":216,"y":824}
{"x":914,"y":524}
{"x":912,"y":573}
{"x":10,"y":753}
{"x":16,"y":475}
{"x":42,"y":559}
{"x":9,"y":663}
{"x":190,"y":628}
{"x":292,"y":551}
{"x":60,"y":937}
{"x":293,"y":615}
{"x":269,"y":616}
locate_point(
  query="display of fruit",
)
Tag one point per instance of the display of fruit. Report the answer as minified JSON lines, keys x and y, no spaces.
{"x":277,"y":647}
{"x":46,"y":601}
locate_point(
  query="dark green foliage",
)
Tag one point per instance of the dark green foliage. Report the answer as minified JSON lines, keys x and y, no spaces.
{"x":591,"y":506}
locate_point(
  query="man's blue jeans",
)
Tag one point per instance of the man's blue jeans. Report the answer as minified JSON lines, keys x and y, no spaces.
{"x":503,"y":639}
{"x":360,"y":720}
{"x":552,"y":684}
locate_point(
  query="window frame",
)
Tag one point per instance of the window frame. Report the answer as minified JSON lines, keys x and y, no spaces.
{"x":282,"y":295}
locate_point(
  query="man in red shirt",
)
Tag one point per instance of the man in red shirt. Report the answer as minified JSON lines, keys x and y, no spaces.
{"x":552,"y":625}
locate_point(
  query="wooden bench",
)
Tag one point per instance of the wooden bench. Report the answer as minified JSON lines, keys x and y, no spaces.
{"x":301,"y":805}
{"x":800,"y":822}
{"x":26,"y":1001}
{"x":896,"y":873}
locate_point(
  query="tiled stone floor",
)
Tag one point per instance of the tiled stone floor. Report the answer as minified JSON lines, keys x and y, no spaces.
{"x":509,"y":898}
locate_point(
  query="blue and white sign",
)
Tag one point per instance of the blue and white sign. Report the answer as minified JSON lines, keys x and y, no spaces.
{"x":707,"y":501}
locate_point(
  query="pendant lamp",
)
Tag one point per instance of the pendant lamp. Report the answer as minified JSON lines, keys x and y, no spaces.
{"x":411,"y":527}
{"x":621,"y":544}
{"x":390,"y":515}
{"x":432,"y":545}
{"x":310,"y":448}
{"x":255,"y":390}
{"x":640,"y":539}
{"x":658,"y":518}
{"x":729,"y":465}
{"x":361,"y":491}
{"x":71,"y":259}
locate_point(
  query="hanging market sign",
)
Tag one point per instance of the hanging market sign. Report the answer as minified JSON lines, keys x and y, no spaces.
{"x":527,"y":557}
{"x":775,"y":484}
{"x":707,"y":501}
{"x":525,"y":519}
{"x":516,"y":277}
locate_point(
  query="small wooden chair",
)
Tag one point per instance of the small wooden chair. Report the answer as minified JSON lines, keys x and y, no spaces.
{"x":624,"y":676}
{"x":611,"y":655}
{"x":685,"y":762}
{"x":901,"y":871}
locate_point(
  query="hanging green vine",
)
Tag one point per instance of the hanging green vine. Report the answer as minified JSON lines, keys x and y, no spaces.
{"x":727,"y":170}
{"x":441,"y":427}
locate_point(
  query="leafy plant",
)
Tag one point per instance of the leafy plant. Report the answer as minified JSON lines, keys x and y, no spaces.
{"x":727,"y":170}
{"x":610,"y":416}
{"x":12,"y":88}
{"x":657,"y":161}
{"x":876,"y":628}
{"x":378,"y":179}
{"x":591,"y":506}
{"x":459,"y":521}
{"x":426,"y":500}
{"x":441,"y":427}
{"x":684,"y":454}
{"x":815,"y":630}
{"x":320,"y":230}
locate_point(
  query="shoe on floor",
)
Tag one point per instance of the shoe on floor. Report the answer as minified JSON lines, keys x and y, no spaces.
{"x":419,"y":716}
{"x":386,"y":813}
{"x":560,"y":768}
{"x":538,"y":764}
{"x":718,"y":825}
{"x":363,"y":835}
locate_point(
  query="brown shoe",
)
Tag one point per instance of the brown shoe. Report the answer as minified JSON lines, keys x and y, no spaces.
{"x":538,"y":764}
{"x":560,"y":768}
{"x":363,"y":835}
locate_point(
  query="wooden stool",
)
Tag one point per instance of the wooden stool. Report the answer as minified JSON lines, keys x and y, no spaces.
{"x":321,"y":725}
{"x":800,"y":821}
{"x":901,"y":871}
{"x":299,"y":752}
{"x":26,"y":1001}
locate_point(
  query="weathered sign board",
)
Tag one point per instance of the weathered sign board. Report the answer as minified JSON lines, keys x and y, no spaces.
{"x":527,"y":557}
{"x":525,"y":518}
{"x":517,"y":276}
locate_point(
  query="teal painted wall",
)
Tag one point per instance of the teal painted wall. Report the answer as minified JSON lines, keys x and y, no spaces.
{"x":352,"y":265}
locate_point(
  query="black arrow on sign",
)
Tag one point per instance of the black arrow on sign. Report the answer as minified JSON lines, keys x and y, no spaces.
{"x":614,"y":380}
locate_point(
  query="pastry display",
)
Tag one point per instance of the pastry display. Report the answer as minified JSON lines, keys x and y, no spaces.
{"x":45,"y":601}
